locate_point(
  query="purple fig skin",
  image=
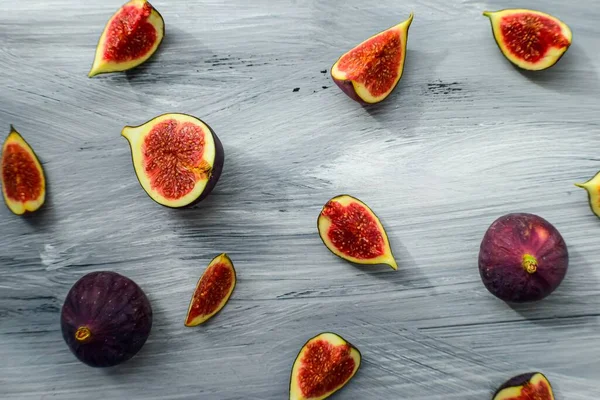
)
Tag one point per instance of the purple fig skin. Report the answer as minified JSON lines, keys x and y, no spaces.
{"x":348,"y":88}
{"x":114,"y":315}
{"x":522,"y":258}
{"x":217,"y":168}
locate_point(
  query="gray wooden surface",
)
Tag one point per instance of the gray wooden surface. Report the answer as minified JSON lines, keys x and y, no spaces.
{"x":464,"y":139}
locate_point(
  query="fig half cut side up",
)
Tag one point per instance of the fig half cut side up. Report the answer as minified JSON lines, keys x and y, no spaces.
{"x":22,"y":175}
{"x":370,"y":71}
{"x":531,"y":40}
{"x":352,"y":231}
{"x":324,"y":365}
{"x":177,"y":158}
{"x":131,"y":36}
{"x":593,"y":188}
{"x":213,"y":290}
{"x":529,"y":386}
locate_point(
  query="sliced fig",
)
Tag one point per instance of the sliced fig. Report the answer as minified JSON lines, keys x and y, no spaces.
{"x":593,"y":188}
{"x":131,"y":36}
{"x":177,"y":158}
{"x":369,"y":72}
{"x":23,"y":180}
{"x":352,"y":231}
{"x":325,"y":364}
{"x":531,"y":40}
{"x":522,"y":258}
{"x":213,"y":290}
{"x":529,"y":386}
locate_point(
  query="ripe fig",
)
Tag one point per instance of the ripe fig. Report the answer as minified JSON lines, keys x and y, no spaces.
{"x":213,"y":290}
{"x":593,"y":188}
{"x":529,"y":386}
{"x":369,"y":72}
{"x":23,"y":180}
{"x":106,"y":319}
{"x":177,"y":158}
{"x":325,"y":364}
{"x":131,"y":36}
{"x":530,"y":39}
{"x":352,"y":231}
{"x":522,"y":258}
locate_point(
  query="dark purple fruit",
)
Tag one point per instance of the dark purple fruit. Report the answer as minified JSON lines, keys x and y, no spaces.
{"x":529,"y":386}
{"x":522,"y":258}
{"x":106,"y":319}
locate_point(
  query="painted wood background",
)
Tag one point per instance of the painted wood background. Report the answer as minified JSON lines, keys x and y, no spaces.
{"x":464,"y":139}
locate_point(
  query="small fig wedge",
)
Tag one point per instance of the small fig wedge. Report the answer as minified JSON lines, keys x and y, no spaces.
{"x":213,"y":290}
{"x":593,"y":188}
{"x":131,"y":36}
{"x":325,"y":364}
{"x":23,"y":180}
{"x":531,"y":40}
{"x":369,"y":72}
{"x":352,"y":231}
{"x":529,"y":386}
{"x":177,"y":158}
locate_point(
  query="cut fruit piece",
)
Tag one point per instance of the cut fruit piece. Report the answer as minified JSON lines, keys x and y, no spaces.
{"x":213,"y":290}
{"x":352,"y":231}
{"x":177,"y":158}
{"x":530,"y":39}
{"x":131,"y":36}
{"x":529,"y":386}
{"x":324,"y":365}
{"x":593,"y":188}
{"x":23,"y":180}
{"x":369,"y":72}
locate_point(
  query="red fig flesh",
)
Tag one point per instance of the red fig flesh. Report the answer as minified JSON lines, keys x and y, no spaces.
{"x":530,"y":386}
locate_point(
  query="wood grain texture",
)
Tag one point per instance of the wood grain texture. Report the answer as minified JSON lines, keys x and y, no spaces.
{"x":464,"y":139}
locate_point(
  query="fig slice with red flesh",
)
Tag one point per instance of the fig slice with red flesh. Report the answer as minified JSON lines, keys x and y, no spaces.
{"x":529,"y":386}
{"x":177,"y":158}
{"x":352,"y":231}
{"x":531,"y":40}
{"x":213,"y":290}
{"x":593,"y":188}
{"x":369,"y":72}
{"x":23,"y":180}
{"x":131,"y":36}
{"x":324,"y":365}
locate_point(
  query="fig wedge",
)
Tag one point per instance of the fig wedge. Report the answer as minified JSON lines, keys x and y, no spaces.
{"x":593,"y":188}
{"x":213,"y":290}
{"x":131,"y":36}
{"x":529,"y":386}
{"x":324,"y":365}
{"x":23,"y":179}
{"x":352,"y":231}
{"x":177,"y":158}
{"x":531,"y":40}
{"x":370,"y":71}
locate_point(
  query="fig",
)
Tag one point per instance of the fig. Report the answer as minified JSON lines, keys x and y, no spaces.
{"x":23,"y":180}
{"x":370,"y":71}
{"x":213,"y":290}
{"x":352,"y":231}
{"x":324,"y":365}
{"x":529,"y":386}
{"x":593,"y":188}
{"x":522,"y":258}
{"x":131,"y":36}
{"x":529,"y":39}
{"x":177,"y":158}
{"x":106,"y":319}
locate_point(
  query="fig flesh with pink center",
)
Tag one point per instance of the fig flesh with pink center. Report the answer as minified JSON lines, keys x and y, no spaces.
{"x":529,"y":386}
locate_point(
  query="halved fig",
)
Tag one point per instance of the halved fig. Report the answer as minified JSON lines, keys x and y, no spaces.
{"x":130,"y":37}
{"x":177,"y":158}
{"x":529,"y":386}
{"x":213,"y":290}
{"x":23,"y":180}
{"x":369,"y":72}
{"x":593,"y":188}
{"x":325,"y":364}
{"x":530,"y":39}
{"x":352,"y":231}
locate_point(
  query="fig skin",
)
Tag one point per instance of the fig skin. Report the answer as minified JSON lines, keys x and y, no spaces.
{"x":593,"y":189}
{"x":519,"y":388}
{"x":522,"y":258}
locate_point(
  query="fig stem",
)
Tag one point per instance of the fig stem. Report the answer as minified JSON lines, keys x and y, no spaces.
{"x":82,"y":333}
{"x":529,"y":263}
